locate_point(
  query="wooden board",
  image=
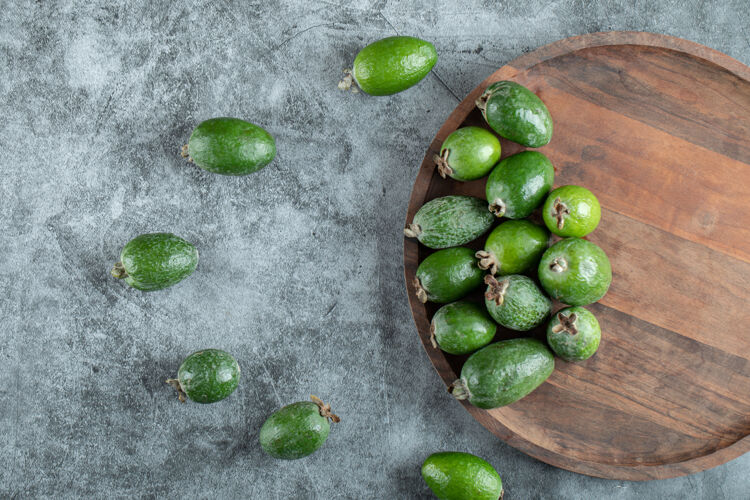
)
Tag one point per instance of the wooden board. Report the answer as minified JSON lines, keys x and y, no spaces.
{"x":659,"y":129}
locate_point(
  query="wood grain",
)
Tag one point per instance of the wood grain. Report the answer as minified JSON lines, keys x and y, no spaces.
{"x":657,"y":128}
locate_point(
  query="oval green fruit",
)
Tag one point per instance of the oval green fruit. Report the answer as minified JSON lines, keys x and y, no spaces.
{"x":516,"y":302}
{"x":461,"y":327}
{"x":450,"y":221}
{"x":207,"y":376}
{"x":503,"y":372}
{"x":297,"y":430}
{"x":467,"y":154}
{"x":447,"y":275}
{"x":519,"y":184}
{"x":156,"y":260}
{"x":393,"y":64}
{"x":571,"y":211}
{"x":575,"y":271}
{"x":453,"y":475}
{"x":230,"y":146}
{"x":513,"y":247}
{"x":574,"y":334}
{"x":516,"y":113}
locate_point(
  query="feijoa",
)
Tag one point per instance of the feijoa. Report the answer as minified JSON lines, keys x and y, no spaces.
{"x":513,"y":247}
{"x":392,"y":64}
{"x":516,"y":113}
{"x":516,"y":302}
{"x":453,"y":475}
{"x":575,"y":271}
{"x":467,"y":154}
{"x":447,"y":275}
{"x":450,"y":221}
{"x":156,"y":260}
{"x":574,"y":334}
{"x":230,"y":146}
{"x":297,"y":430}
{"x":503,"y":372}
{"x":571,"y":211}
{"x":461,"y":327}
{"x":519,"y":184}
{"x":207,"y":376}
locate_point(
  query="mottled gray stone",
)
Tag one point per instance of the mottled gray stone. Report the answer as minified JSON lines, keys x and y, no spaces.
{"x":300,"y":274}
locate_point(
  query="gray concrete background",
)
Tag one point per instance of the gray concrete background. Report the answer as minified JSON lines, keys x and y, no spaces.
{"x":300,"y":274}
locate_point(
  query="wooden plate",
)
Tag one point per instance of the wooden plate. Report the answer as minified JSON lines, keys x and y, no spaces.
{"x":659,"y":129}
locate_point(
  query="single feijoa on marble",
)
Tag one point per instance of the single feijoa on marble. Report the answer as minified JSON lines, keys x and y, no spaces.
{"x":447,"y":275}
{"x":156,"y":260}
{"x":513,"y":247}
{"x":207,"y":376}
{"x":467,"y":154}
{"x":297,"y":430}
{"x":450,"y":221}
{"x":519,"y":184}
{"x":575,"y":271}
{"x":571,"y":211}
{"x":516,"y":302}
{"x":230,"y":146}
{"x":391,"y":65}
{"x":461,"y":327}
{"x":574,"y":333}
{"x":454,"y":475}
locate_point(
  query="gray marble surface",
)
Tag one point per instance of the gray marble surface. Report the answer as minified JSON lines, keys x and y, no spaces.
{"x":300,"y":274}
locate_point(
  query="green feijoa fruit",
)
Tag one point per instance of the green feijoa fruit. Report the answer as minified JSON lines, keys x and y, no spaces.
{"x":461,"y":327}
{"x":503,"y":372}
{"x":516,"y":302}
{"x":519,"y":184}
{"x":453,"y":475}
{"x":450,"y":221}
{"x":392,"y":64}
{"x":230,"y":146}
{"x":207,"y":376}
{"x":467,"y":154}
{"x":571,"y":211}
{"x":575,"y":271}
{"x":447,"y":275}
{"x":516,"y":113}
{"x":297,"y":430}
{"x":574,"y":334}
{"x":513,"y":247}
{"x":154,"y":261}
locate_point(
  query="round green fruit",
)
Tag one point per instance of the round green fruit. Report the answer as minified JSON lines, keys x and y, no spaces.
{"x":516,"y":302}
{"x":450,"y":221}
{"x":513,"y":247}
{"x":516,"y":113}
{"x":207,"y":376}
{"x":519,"y":184}
{"x":230,"y":146}
{"x":574,"y":334}
{"x":154,"y":261}
{"x":393,"y":64}
{"x":447,"y":275}
{"x":467,"y":154}
{"x":453,"y":475}
{"x":461,"y":327}
{"x":571,"y":211}
{"x":297,"y":430}
{"x":575,"y":272}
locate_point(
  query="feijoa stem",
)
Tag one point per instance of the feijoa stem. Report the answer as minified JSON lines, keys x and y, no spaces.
{"x":433,"y":341}
{"x":118,"y":271}
{"x":498,"y":207}
{"x":497,"y":289}
{"x":558,"y":265}
{"x":441,"y":161}
{"x":560,"y":210}
{"x":459,"y":390}
{"x":421,"y":292}
{"x":181,"y":395}
{"x":185,"y":153}
{"x":487,"y":260}
{"x":325,"y":410}
{"x":566,"y":324}
{"x":412,"y":231}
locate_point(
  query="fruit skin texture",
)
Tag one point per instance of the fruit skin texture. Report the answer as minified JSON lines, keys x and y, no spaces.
{"x":296,"y":430}
{"x":516,"y":302}
{"x":393,"y":64}
{"x":467,"y":154}
{"x":453,"y":475}
{"x":577,"y":336}
{"x":503,"y":372}
{"x":575,"y":271}
{"x":575,"y":208}
{"x":450,"y":221}
{"x":461,"y":327}
{"x":513,"y":247}
{"x":209,"y":375}
{"x":516,"y":113}
{"x":519,"y":184}
{"x":447,"y":275}
{"x":156,"y":260}
{"x":230,"y":146}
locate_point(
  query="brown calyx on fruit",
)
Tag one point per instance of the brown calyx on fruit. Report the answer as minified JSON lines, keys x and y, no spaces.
{"x":348,"y":82}
{"x":566,"y":324}
{"x":325,"y":410}
{"x":487,"y":261}
{"x":497,"y":289}
{"x":412,"y":230}
{"x":498,"y":207}
{"x":433,"y":341}
{"x":185,"y":153}
{"x":118,"y":271}
{"x":482,"y":101}
{"x":559,"y":211}
{"x":421,"y":292}
{"x":459,"y":390}
{"x":558,"y":265}
{"x":181,"y":395}
{"x":441,"y":161}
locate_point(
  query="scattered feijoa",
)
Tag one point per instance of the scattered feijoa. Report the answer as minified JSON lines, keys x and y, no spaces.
{"x":453,"y":475}
{"x":156,"y":260}
{"x":519,"y":184}
{"x":447,"y":275}
{"x":574,"y":334}
{"x":571,"y":211}
{"x":461,"y":327}
{"x":467,"y":154}
{"x":516,"y":113}
{"x":207,"y":376}
{"x":575,"y":272}
{"x":516,"y":302}
{"x":513,"y":247}
{"x":450,"y":221}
